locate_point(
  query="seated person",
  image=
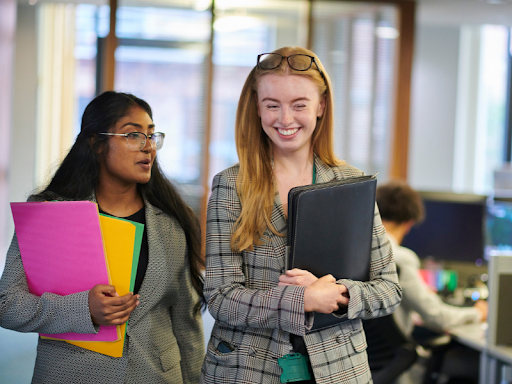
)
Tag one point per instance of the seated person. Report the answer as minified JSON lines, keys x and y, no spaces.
{"x":400,"y":208}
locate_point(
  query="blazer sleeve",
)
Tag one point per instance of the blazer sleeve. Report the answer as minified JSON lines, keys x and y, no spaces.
{"x":418,"y":297}
{"x":382,"y":294}
{"x":22,"y":311}
{"x":187,"y":327}
{"x":230,"y":300}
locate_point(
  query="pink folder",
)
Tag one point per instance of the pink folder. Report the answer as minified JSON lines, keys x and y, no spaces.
{"x":62,"y":252}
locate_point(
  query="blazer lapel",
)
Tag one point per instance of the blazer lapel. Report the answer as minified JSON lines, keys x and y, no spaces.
{"x":278,"y":220}
{"x":324,"y":173}
{"x":154,"y":276}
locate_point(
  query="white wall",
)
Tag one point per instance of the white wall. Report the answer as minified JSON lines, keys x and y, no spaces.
{"x":7,"y":37}
{"x":18,"y":350}
{"x":433,"y":107}
{"x":22,"y":156}
{"x":24,"y":105}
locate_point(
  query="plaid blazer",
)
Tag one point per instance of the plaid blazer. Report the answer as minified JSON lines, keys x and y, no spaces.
{"x":255,"y":316}
{"x":164,"y":342}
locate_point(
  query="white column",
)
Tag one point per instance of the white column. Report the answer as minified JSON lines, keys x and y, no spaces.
{"x":467,"y":115}
{"x":55,"y":104}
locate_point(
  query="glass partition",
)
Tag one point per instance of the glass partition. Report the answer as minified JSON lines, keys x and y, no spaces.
{"x":162,"y":57}
{"x":357,"y":42}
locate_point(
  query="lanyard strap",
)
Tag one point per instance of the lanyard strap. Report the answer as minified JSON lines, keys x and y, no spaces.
{"x":314,"y":172}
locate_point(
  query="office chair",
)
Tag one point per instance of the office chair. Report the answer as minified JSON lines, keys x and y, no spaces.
{"x":390,"y":352}
{"x":436,"y":344}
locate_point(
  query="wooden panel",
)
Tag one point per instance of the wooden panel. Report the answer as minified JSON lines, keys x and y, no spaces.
{"x":400,"y":147}
{"x":309,"y":43}
{"x":109,"y":64}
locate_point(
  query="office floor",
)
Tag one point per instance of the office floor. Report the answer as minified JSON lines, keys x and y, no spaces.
{"x":18,"y":353}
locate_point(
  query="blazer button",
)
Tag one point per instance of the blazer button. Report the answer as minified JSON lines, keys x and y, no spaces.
{"x":252,"y":352}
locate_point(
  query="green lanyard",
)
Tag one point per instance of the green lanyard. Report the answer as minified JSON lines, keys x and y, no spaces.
{"x":314,"y":172}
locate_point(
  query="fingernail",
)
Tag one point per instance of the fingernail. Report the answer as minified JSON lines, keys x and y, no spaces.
{"x":138,"y":302}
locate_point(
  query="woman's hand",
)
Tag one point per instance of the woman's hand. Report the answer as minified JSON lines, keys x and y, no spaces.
{"x":297,"y":276}
{"x":108,"y":308}
{"x":325,"y":296}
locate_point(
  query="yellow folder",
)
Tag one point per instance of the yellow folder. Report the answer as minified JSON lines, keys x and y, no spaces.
{"x":122,"y":240}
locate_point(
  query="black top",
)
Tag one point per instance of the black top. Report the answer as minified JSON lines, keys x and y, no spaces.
{"x":139,"y":217}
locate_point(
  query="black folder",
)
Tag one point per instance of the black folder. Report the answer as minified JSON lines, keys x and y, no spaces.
{"x":330,"y":229}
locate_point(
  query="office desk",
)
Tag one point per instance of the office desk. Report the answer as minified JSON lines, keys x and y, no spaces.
{"x":495,"y":361}
{"x":470,"y":335}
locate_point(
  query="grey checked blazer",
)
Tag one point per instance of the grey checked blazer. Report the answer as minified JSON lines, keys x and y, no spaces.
{"x":164,"y":342}
{"x":256,"y":317}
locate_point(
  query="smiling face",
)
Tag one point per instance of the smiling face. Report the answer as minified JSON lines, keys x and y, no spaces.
{"x":120,"y":166}
{"x":289,"y":106}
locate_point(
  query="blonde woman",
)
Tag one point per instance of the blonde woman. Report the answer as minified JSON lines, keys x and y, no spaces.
{"x":284,"y":136}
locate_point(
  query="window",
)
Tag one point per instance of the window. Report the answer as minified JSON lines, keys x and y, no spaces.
{"x":481,"y":99}
{"x":240,"y":35}
{"x":163,"y":57}
{"x":91,"y":23}
{"x":356,"y":43}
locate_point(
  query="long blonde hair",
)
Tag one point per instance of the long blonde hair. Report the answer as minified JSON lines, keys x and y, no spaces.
{"x":255,"y":183}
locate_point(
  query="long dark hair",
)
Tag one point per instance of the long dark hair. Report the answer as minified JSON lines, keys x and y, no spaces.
{"x":78,"y":175}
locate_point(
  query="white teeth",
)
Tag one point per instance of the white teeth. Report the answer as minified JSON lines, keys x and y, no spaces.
{"x":287,"y":132}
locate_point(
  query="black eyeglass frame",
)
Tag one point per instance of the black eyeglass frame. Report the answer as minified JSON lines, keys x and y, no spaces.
{"x":143,"y":143}
{"x":289,"y":64}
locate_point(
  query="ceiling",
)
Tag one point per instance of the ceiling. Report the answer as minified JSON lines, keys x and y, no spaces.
{"x":447,"y":12}
{"x":456,"y":12}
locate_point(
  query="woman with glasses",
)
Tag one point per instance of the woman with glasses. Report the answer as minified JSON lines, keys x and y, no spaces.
{"x":113,"y":163}
{"x":284,"y":139}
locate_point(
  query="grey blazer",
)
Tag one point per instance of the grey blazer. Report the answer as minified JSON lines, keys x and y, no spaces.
{"x":255,"y":316}
{"x":164,"y":342}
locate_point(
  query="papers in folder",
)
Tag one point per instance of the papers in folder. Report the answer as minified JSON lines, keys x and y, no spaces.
{"x":330,"y":229}
{"x":67,"y":247}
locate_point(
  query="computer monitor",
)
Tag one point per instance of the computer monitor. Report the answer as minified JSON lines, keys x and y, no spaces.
{"x":453,"y":229}
{"x":498,"y":239}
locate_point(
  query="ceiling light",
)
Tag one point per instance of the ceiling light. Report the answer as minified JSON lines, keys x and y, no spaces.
{"x":235,"y":23}
{"x":386,"y":32}
{"x":496,"y":1}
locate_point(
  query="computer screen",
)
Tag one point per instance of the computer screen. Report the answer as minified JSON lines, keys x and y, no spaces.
{"x":453,"y":229}
{"x":498,"y":238}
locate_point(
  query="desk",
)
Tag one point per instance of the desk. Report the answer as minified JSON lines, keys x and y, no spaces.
{"x":495,"y":361}
{"x":470,"y":335}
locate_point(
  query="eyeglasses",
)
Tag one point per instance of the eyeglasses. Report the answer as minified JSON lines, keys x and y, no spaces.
{"x":137,"y":140}
{"x":298,"y":62}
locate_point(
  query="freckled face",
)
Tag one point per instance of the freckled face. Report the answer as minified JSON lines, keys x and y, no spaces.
{"x":289,"y":106}
{"x":122,"y":166}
